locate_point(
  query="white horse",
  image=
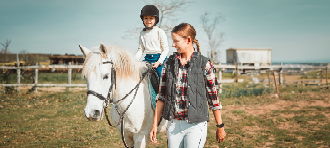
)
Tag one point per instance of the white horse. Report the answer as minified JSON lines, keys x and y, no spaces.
{"x":138,"y":119}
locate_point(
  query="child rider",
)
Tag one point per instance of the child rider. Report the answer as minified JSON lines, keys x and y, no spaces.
{"x":152,"y":40}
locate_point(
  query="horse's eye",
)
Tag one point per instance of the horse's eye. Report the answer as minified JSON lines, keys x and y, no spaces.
{"x":105,"y":77}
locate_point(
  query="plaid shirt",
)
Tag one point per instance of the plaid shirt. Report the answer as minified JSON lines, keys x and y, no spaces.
{"x":181,"y":110}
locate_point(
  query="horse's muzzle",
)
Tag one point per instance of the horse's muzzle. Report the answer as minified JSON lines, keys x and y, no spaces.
{"x":93,"y":119}
{"x":96,"y":116}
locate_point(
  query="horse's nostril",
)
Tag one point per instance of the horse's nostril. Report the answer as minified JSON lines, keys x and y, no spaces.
{"x":96,"y":113}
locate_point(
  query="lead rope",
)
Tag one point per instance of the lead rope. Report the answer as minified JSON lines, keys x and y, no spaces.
{"x":122,"y":120}
{"x":105,"y":113}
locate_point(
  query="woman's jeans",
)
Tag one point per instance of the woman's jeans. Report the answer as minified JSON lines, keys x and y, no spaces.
{"x":181,"y":134}
{"x":153,"y":58}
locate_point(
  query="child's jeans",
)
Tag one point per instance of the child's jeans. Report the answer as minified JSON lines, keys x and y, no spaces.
{"x":153,"y":58}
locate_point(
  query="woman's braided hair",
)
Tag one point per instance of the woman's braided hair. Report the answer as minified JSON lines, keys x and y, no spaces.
{"x":184,"y":30}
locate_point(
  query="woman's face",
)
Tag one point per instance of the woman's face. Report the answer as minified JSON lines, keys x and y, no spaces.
{"x":149,"y":21}
{"x":181,"y":44}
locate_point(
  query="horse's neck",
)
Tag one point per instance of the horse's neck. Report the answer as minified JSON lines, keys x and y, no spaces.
{"x":125,"y":85}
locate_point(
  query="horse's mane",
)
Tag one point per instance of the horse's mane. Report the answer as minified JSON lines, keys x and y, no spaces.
{"x":124,"y":63}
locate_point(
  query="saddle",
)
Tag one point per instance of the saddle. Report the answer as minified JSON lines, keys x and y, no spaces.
{"x":154,"y":79}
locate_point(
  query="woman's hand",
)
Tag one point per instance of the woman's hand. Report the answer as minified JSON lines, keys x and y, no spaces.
{"x":220,"y":134}
{"x":155,"y":65}
{"x":153,"y":133}
{"x":158,"y":113}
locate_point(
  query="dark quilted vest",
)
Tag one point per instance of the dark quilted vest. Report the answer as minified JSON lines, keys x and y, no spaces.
{"x":196,"y":91}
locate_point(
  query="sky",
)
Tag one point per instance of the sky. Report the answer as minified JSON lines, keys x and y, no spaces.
{"x":295,"y":30}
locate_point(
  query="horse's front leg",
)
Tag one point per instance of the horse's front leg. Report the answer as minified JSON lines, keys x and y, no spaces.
{"x":128,"y":134}
{"x":141,"y":139}
{"x":129,"y":139}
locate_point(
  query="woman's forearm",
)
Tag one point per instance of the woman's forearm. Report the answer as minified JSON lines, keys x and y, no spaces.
{"x":158,"y":112}
{"x":217,"y":116}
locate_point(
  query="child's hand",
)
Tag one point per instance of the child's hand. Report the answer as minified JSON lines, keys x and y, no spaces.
{"x":155,"y":65}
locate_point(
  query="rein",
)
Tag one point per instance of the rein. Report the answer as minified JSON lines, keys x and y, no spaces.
{"x":110,"y":99}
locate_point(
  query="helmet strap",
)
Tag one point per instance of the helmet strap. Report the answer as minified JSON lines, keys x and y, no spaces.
{"x":149,"y":28}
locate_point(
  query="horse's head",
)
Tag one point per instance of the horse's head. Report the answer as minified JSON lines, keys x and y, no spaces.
{"x":97,"y":72}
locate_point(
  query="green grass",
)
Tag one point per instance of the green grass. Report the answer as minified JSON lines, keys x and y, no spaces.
{"x":241,"y":90}
{"x":238,"y":112}
{"x":228,"y":75}
{"x":235,"y":90}
{"x":313,"y":75}
{"x":48,"y":119}
{"x":51,"y":120}
{"x":45,"y":78}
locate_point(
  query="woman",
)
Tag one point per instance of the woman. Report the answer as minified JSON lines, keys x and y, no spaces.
{"x":188,"y":82}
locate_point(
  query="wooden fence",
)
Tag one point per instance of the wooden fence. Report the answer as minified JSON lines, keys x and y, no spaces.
{"x":36,"y":67}
{"x":220,"y":68}
{"x":270,"y":69}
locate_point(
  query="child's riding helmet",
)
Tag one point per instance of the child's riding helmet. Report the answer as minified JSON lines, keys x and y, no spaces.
{"x":150,"y":10}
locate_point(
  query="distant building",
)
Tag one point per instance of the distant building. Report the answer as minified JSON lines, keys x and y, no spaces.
{"x":42,"y":59}
{"x":10,"y":59}
{"x":249,"y":56}
{"x":65,"y":59}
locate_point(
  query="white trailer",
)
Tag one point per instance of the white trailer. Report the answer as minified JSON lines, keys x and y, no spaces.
{"x":249,"y":56}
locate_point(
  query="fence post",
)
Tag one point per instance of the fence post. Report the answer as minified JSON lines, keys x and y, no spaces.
{"x":237,"y":73}
{"x":275,"y":83}
{"x":326,"y":70}
{"x":81,"y":75}
{"x":269,"y":78}
{"x":69,"y":75}
{"x":321,"y":77}
{"x":220,"y":79}
{"x":280,"y":75}
{"x":18,"y":73}
{"x":36,"y":78}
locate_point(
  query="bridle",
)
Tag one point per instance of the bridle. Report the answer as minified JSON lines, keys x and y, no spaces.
{"x":109,"y":99}
{"x":113,"y":82}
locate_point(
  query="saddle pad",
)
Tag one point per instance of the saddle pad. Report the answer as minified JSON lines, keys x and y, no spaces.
{"x":153,"y":95}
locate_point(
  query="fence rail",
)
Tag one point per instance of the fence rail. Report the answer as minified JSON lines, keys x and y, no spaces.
{"x":37,"y":67}
{"x":47,"y":85}
{"x":42,"y":66}
{"x":272,"y":67}
{"x":220,"y":67}
{"x":215,"y":65}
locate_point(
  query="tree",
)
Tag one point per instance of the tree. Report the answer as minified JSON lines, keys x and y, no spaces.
{"x":5,"y":49}
{"x":5,"y":45}
{"x":24,"y":56}
{"x":215,"y":37}
{"x":168,"y":11}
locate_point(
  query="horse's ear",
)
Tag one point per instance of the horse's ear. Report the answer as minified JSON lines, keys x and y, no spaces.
{"x":103,"y":49}
{"x":84,"y":50}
